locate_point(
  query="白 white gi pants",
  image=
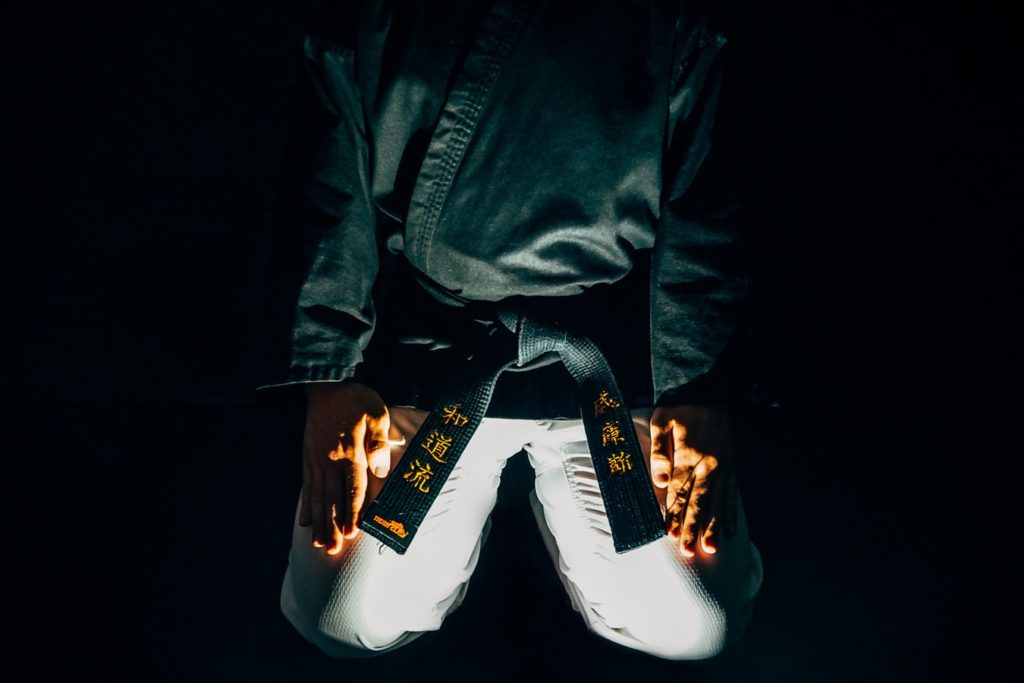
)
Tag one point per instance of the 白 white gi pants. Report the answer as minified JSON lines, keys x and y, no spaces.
{"x":368,"y":599}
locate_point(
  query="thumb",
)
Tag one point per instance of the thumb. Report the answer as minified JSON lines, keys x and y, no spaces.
{"x":378,"y":447}
{"x":661,"y":451}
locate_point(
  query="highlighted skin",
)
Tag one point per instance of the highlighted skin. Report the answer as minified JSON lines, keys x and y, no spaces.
{"x":345,"y":441}
{"x":693,"y":458}
{"x":337,"y":541}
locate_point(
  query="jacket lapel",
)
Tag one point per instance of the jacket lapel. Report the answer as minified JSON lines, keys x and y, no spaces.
{"x":457,"y":122}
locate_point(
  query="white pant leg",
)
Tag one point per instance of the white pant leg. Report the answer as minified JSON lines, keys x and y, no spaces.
{"x":650,"y":598}
{"x":368,"y":599}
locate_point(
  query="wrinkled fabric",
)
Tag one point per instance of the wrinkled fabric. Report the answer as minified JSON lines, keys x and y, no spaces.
{"x":369,"y":600}
{"x":585,"y":191}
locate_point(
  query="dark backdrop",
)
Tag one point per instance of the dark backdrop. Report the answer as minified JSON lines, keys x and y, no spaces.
{"x":149,"y":492}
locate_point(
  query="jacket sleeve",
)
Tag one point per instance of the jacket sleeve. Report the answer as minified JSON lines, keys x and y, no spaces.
{"x":697,"y":281}
{"x":326,"y":316}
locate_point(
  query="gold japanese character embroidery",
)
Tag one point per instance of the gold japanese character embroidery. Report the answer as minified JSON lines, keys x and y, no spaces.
{"x":452,"y":416}
{"x":603,"y":402}
{"x":437,"y":444}
{"x":418,"y":475}
{"x":611,"y":433}
{"x":619,"y":463}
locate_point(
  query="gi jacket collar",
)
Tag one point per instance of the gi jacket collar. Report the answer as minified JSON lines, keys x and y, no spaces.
{"x":455,"y":127}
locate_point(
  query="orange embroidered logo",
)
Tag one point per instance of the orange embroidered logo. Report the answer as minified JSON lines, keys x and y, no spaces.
{"x":397,"y":528}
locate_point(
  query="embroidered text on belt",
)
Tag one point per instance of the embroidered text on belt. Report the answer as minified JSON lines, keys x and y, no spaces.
{"x":634,"y":514}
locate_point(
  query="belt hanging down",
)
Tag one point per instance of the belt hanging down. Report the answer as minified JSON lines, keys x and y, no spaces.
{"x":394,"y":517}
{"x":634,"y":514}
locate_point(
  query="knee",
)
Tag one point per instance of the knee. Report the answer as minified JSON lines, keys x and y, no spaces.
{"x":371,"y":607}
{"x":350,"y":630}
{"x":691,"y":626}
{"x":706,"y":637}
{"x":357,"y":644}
{"x":692,"y":634}
{"x":708,"y":611}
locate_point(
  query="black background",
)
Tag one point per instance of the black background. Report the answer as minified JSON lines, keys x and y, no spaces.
{"x":150,"y":491}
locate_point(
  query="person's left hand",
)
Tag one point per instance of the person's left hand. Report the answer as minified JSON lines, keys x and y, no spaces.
{"x":693,"y":456}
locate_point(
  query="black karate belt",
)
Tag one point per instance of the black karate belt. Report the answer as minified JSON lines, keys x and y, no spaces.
{"x":634,"y":515}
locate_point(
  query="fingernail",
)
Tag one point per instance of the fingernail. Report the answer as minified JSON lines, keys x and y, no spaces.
{"x":380,"y":471}
{"x":318,"y":544}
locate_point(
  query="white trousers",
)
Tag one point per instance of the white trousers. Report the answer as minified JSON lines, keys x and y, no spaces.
{"x":368,"y":599}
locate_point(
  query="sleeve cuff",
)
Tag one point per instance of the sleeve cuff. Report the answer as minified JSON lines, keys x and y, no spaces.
{"x":302,"y":374}
{"x":702,"y":390}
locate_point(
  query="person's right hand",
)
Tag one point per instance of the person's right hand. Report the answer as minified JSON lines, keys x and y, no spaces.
{"x":346,"y":434}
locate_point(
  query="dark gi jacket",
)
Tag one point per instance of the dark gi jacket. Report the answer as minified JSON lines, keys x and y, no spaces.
{"x":554,"y":154}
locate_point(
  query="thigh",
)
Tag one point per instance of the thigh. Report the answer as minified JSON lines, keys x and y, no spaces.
{"x":368,"y":598}
{"x":650,"y":598}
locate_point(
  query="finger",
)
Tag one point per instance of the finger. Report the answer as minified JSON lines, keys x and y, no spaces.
{"x":355,"y":481}
{"x":305,"y":504}
{"x":338,"y":540}
{"x":683,"y":460}
{"x":661,"y":451}
{"x":335,"y":485}
{"x":680,"y":447}
{"x":709,"y":537}
{"x":709,"y":522}
{"x":707,"y":526}
{"x":679,"y":486}
{"x":378,"y":445}
{"x":679,"y":493}
{"x":681,"y":483}
{"x":695,"y":507}
{"x":317,"y":505}
{"x":349,"y":450}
